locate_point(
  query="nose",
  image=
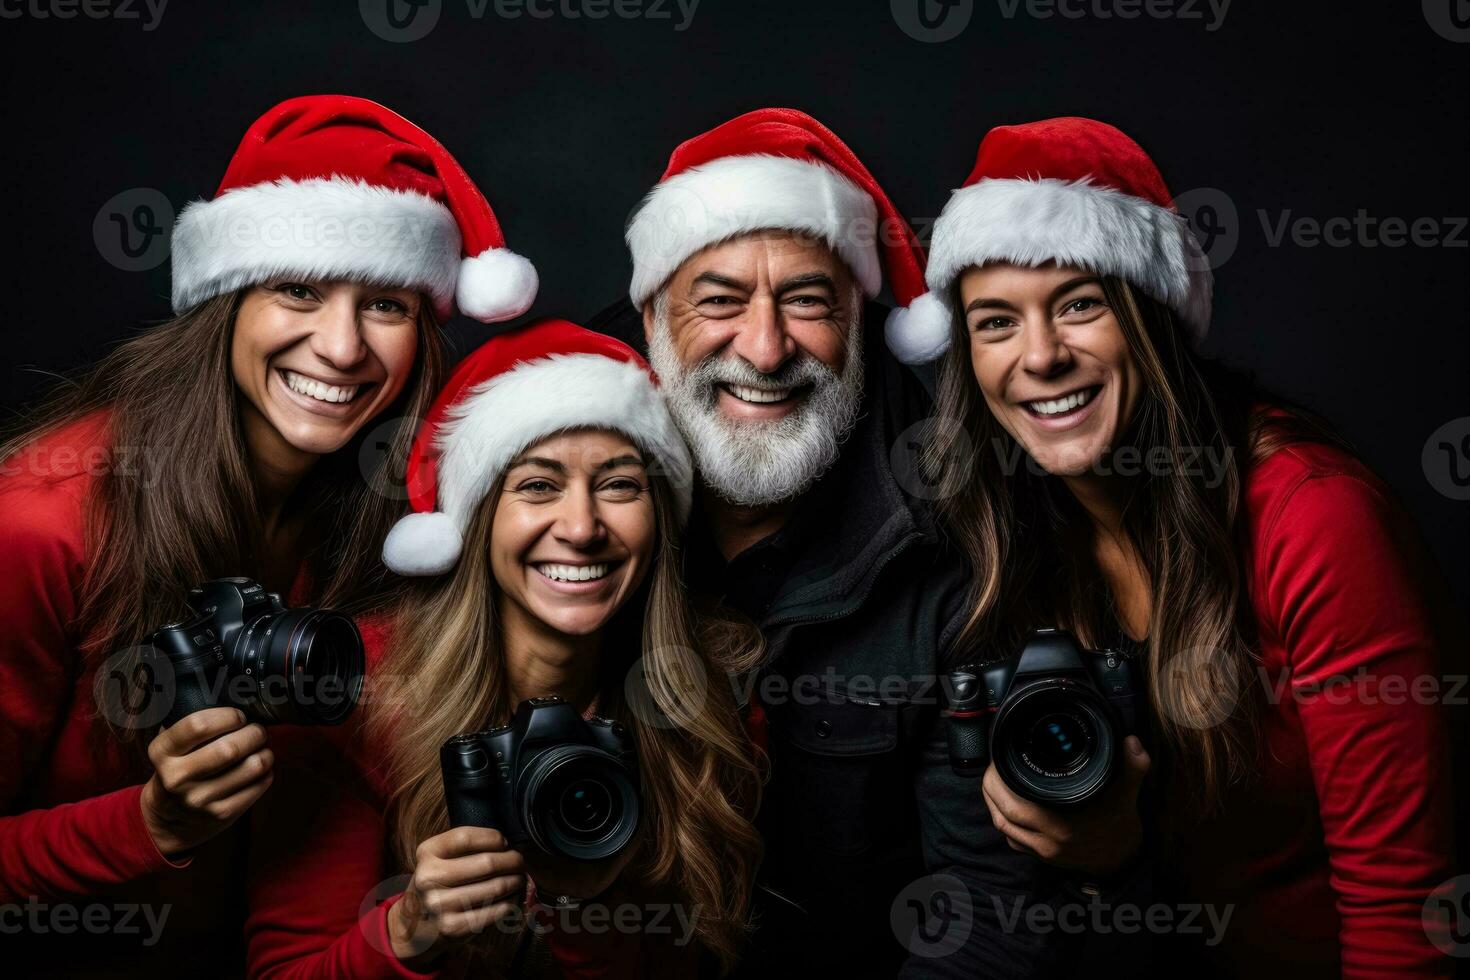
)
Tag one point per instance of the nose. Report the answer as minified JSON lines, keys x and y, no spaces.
{"x":337,"y":337}
{"x":578,"y":524}
{"x":1046,"y":353}
{"x":762,"y":338}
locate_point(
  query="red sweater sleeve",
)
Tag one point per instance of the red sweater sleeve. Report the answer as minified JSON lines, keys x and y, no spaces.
{"x":76,"y":848}
{"x":1341,"y":593}
{"x":318,"y":893}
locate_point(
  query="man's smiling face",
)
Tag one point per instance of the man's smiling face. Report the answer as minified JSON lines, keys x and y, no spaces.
{"x":757,"y":343}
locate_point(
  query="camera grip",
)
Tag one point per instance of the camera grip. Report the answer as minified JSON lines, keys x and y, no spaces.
{"x":468,"y":808}
{"x":969,"y":751}
{"x":191,"y":694}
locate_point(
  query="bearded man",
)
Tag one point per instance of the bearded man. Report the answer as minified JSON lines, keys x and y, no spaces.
{"x":755,"y":261}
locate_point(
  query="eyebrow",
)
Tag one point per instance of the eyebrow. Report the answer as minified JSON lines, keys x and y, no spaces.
{"x":808,"y":279}
{"x":1002,"y":304}
{"x":716,"y":279}
{"x":627,"y":459}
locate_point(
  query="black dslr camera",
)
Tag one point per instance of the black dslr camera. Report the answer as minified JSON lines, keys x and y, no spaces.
{"x":243,"y":648}
{"x":1053,"y":717}
{"x":549,"y":778}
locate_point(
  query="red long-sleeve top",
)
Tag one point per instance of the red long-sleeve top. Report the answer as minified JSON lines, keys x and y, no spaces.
{"x":322,"y":877}
{"x":71,"y":821}
{"x":1330,"y":855}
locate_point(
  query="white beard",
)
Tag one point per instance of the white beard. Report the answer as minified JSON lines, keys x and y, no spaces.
{"x":756,"y":463}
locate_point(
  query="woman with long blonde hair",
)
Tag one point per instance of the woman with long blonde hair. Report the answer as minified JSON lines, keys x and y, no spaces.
{"x":550,"y":488}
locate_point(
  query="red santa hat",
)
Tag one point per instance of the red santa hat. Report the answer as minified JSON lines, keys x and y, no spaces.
{"x":336,"y":187}
{"x":1070,"y":190}
{"x":772,"y":169}
{"x":515,"y":390}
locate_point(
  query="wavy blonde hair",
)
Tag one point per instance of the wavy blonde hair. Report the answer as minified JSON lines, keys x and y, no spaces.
{"x":700,"y":775}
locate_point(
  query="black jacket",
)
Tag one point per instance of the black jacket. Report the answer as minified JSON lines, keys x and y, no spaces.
{"x":859,"y":601}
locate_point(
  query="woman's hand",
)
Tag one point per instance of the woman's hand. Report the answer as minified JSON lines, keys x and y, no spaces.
{"x":1097,"y":838}
{"x":208,"y":768}
{"x":465,"y":880}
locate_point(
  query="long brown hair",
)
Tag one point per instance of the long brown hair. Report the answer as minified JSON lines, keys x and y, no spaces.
{"x":174,"y":503}
{"x":444,"y":673}
{"x":1028,"y":540}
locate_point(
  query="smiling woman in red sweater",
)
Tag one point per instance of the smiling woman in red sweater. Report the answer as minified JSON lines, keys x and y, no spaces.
{"x":225,"y":442}
{"x":1121,"y":487}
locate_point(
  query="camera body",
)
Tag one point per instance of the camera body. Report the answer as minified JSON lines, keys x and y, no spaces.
{"x":244,"y":648}
{"x":1052,"y":718}
{"x":550,"y":778}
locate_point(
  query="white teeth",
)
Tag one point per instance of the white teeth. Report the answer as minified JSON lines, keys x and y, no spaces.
{"x":315,"y":389}
{"x":573,"y":573}
{"x":758,"y":395}
{"x":1057,"y":406}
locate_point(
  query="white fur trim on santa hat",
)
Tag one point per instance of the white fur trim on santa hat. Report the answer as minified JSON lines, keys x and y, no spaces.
{"x":321,"y":228}
{"x":497,"y":420}
{"x":733,"y":196}
{"x":423,"y":544}
{"x":496,"y":285}
{"x":920,"y":332}
{"x":1081,"y":223}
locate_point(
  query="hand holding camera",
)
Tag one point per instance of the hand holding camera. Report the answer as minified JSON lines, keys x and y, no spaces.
{"x":240,"y":661}
{"x":562,"y":789}
{"x":1052,"y":730}
{"x":464,"y":881}
{"x":207,"y":771}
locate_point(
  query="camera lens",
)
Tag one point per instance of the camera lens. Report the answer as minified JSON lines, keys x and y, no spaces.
{"x":585,"y":807}
{"x":1054,"y":743}
{"x":578,"y":801}
{"x":301,"y":666}
{"x":1057,"y":743}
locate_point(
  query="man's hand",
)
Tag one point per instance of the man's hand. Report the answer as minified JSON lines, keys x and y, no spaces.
{"x":1097,"y":838}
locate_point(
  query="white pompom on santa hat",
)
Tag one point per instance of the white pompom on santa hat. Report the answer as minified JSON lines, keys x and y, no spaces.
{"x":772,"y":169}
{"x":1070,"y":190}
{"x":515,"y":390}
{"x":335,"y":187}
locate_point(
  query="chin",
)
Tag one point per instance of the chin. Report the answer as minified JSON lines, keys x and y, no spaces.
{"x":574,"y":622}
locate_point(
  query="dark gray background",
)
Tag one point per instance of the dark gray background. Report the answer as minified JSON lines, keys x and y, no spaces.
{"x":1315,"y":111}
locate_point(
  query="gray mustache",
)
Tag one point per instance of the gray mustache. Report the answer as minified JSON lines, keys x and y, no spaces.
{"x":803,"y":370}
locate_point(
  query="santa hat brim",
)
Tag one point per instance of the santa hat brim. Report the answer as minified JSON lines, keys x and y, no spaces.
{"x":1081,"y":223}
{"x":737,"y":195}
{"x":499,"y":419}
{"x":338,"y":228}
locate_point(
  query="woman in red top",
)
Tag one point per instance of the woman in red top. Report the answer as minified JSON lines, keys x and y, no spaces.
{"x":550,"y":487}
{"x":1112,"y":482}
{"x":229,"y":441}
